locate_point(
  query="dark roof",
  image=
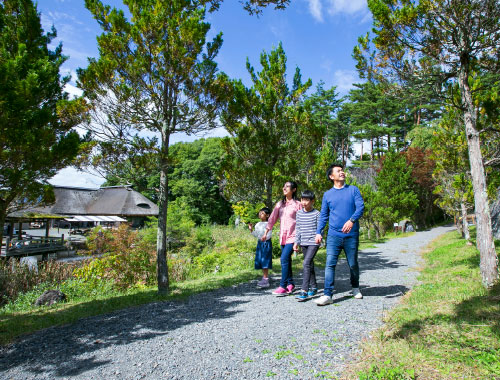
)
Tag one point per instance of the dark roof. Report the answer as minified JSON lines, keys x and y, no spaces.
{"x":115,"y":200}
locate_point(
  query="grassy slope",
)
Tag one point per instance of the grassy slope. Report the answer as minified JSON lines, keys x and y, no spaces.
{"x":447,"y":327}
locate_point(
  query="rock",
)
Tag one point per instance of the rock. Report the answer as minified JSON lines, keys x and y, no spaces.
{"x":31,"y":262}
{"x":50,"y":297}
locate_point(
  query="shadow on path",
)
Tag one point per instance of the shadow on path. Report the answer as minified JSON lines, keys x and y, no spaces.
{"x":72,"y":350}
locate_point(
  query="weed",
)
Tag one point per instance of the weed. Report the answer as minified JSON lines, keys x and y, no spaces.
{"x":283,"y":354}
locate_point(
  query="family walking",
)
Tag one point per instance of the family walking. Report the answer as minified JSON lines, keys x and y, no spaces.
{"x":301,"y":226}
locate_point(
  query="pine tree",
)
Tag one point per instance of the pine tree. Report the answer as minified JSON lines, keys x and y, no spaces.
{"x":36,"y":116}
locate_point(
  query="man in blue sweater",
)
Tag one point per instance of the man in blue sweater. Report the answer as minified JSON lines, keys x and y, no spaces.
{"x":342,"y":207}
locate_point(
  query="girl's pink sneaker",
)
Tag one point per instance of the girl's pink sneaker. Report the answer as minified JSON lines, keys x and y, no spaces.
{"x":290,"y":288}
{"x":280,"y":291}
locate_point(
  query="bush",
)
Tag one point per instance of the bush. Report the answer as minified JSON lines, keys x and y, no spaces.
{"x":16,"y":279}
{"x":127,"y":259}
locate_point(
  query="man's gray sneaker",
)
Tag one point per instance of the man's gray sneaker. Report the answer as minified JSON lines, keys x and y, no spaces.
{"x":323,"y":300}
{"x":356,"y":293}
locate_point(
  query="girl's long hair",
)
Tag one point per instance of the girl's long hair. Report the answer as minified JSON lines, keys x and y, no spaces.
{"x":293,"y":185}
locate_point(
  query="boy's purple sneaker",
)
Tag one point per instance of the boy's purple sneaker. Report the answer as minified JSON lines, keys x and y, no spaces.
{"x":290,"y":288}
{"x":264,"y":283}
{"x":280,"y":291}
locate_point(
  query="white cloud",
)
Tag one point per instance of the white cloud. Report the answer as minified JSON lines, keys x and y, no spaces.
{"x":347,"y":6}
{"x":72,"y":177}
{"x":315,"y":8}
{"x":72,"y":90}
{"x":344,"y":79}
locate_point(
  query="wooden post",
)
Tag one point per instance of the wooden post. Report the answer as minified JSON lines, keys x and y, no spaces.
{"x":20,"y":230}
{"x":47,"y":228}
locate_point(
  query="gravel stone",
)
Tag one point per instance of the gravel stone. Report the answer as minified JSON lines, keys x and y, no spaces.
{"x":240,"y":332}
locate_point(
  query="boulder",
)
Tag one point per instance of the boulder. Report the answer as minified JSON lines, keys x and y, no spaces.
{"x":50,"y":297}
{"x":31,"y":262}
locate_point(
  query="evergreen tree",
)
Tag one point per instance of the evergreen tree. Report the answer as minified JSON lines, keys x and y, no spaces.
{"x":461,"y":38}
{"x":395,"y":182}
{"x":155,"y":72}
{"x":35,"y":114}
{"x":264,"y":122}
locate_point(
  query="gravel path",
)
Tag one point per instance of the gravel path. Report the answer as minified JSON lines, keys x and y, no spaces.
{"x":233,"y":333}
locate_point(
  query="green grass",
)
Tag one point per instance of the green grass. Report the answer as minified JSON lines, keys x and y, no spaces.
{"x":447,"y":327}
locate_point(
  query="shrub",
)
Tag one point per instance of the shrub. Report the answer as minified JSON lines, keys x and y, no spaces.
{"x":128,"y":259}
{"x":16,"y":279}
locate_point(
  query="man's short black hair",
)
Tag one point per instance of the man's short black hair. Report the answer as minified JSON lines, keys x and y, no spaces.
{"x":308,"y":194}
{"x":330,"y":169}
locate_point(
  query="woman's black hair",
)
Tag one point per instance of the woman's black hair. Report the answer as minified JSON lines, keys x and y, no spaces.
{"x":307,"y":194}
{"x":293,"y":185}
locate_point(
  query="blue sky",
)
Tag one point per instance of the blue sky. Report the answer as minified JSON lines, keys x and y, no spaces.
{"x":317,"y":36}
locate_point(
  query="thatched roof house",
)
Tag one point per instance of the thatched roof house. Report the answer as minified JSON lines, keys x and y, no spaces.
{"x":120,"y":201}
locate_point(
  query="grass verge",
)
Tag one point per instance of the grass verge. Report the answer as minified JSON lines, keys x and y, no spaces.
{"x":447,"y":327}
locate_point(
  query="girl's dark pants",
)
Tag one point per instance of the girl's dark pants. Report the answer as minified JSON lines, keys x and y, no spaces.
{"x":286,"y":265}
{"x":309,"y":279}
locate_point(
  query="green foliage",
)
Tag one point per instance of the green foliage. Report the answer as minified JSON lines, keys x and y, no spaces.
{"x":395,"y":183}
{"x":193,"y":177}
{"x":247,"y":212}
{"x":36,"y":138}
{"x":200,"y":241}
{"x":264,"y":123}
{"x":16,"y":279}
{"x":378,"y":215}
{"x":127,"y":259}
{"x":422,"y":166}
{"x":387,"y":371}
{"x":322,"y":138}
{"x":451,"y":174}
{"x":157,"y":72}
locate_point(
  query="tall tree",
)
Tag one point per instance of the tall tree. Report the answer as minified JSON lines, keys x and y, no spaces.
{"x":157,"y":72}
{"x":396,"y":183}
{"x":264,"y":123}
{"x":35,"y":123}
{"x":461,"y":37}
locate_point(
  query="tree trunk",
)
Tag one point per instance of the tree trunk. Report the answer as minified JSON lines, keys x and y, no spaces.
{"x":465,"y":225}
{"x":161,"y":242}
{"x":269,"y":193}
{"x":485,"y":243}
{"x":3,"y":215}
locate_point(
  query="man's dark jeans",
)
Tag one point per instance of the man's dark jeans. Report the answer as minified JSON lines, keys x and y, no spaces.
{"x":334,"y":245}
